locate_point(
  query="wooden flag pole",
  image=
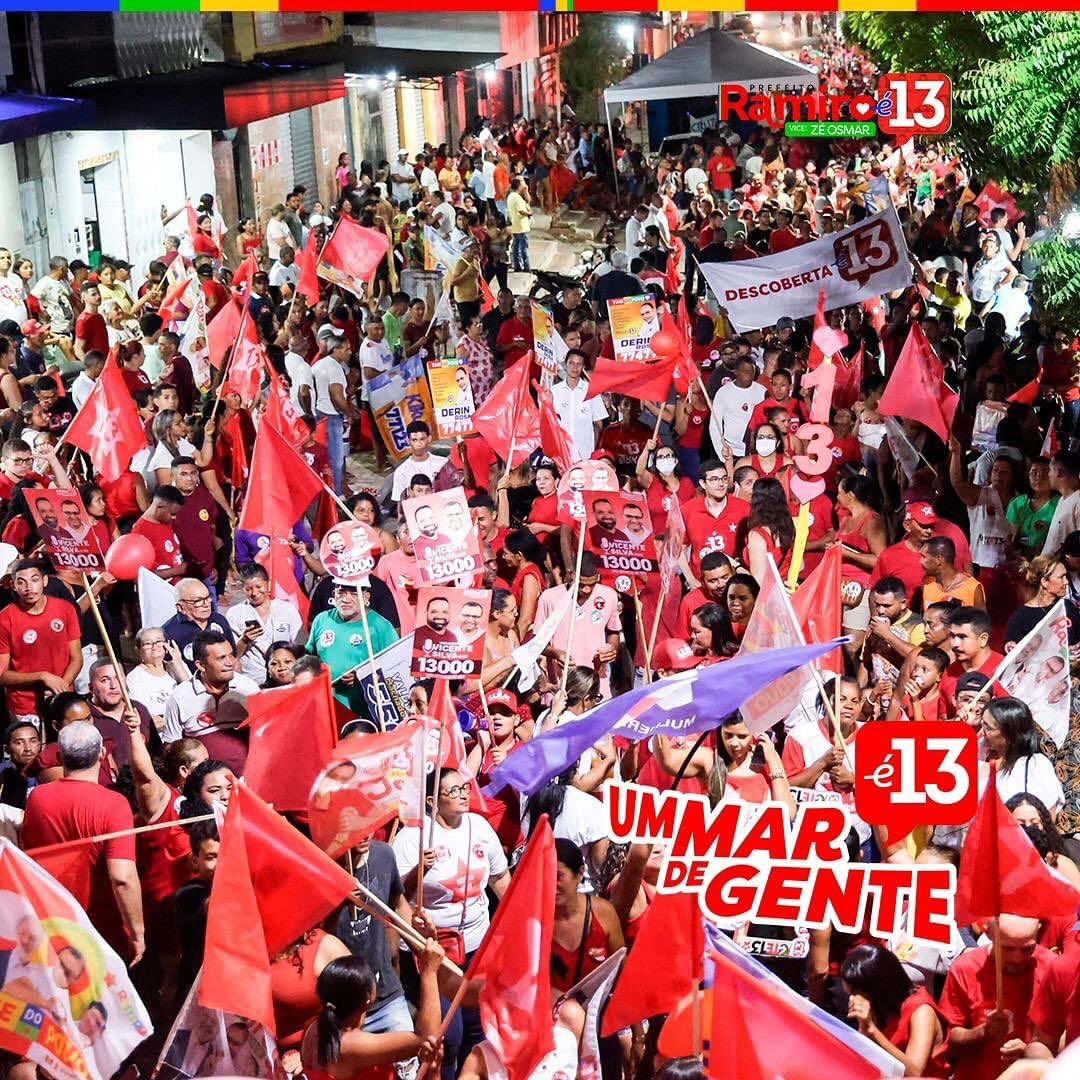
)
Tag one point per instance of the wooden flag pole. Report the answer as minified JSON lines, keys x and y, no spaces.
{"x":107,"y":643}
{"x":646,"y":646}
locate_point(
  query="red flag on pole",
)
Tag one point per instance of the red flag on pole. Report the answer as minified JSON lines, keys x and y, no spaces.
{"x":167,"y":308}
{"x":108,"y":427}
{"x":849,"y":376}
{"x":244,"y":373}
{"x":647,"y":380}
{"x":277,"y":560}
{"x":487,"y":297}
{"x":245,"y":272}
{"x":221,"y":332}
{"x":816,"y":603}
{"x":992,"y":198}
{"x":665,"y":964}
{"x":508,"y":418}
{"x":1000,"y":870}
{"x":1027,"y":394}
{"x":816,"y":356}
{"x":351,"y":255}
{"x":1050,"y":444}
{"x":271,"y":885}
{"x":916,"y":387}
{"x":285,"y":757}
{"x":554,"y":438}
{"x":281,"y":485}
{"x":513,"y":961}
{"x":281,"y":410}
{"x":307,"y":258}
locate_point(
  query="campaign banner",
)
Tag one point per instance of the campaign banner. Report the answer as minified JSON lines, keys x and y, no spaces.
{"x":444,"y":537}
{"x":451,"y":398}
{"x":618,"y":531}
{"x":1037,"y":672}
{"x":398,"y":397}
{"x":66,"y":1002}
{"x":585,"y":476}
{"x":208,"y":1042}
{"x":548,"y":346}
{"x":351,"y":255}
{"x":864,"y":260}
{"x":449,"y":641}
{"x":348,"y":551}
{"x":386,"y":686}
{"x":634,"y":320}
{"x":65,"y":528}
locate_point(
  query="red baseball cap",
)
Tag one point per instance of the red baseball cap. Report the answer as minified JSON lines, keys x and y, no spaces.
{"x":32,"y":326}
{"x":675,"y":654}
{"x":506,"y":698}
{"x":922,"y":513}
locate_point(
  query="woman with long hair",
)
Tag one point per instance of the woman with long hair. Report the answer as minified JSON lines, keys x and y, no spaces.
{"x":768,"y":458}
{"x":500,"y":641}
{"x":660,"y":476}
{"x":9,"y":384}
{"x":1010,"y":741}
{"x":582,"y":694}
{"x":474,"y":351}
{"x":208,"y":785}
{"x":770,"y":529}
{"x":248,"y":241}
{"x":711,"y":634}
{"x":748,"y":780}
{"x":1032,"y":816}
{"x":172,"y":439}
{"x":862,"y":535}
{"x":889,"y":1011}
{"x":336,"y":1046}
{"x":525,"y":556}
{"x":1048,"y":577}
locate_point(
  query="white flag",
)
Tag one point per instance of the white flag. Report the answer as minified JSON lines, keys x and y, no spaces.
{"x":527,"y":656}
{"x":157,"y":598}
{"x":446,"y":252}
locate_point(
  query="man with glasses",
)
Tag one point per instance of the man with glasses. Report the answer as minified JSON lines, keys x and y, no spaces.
{"x":714,"y":522}
{"x":337,"y":638}
{"x":17,"y":463}
{"x":194,"y":614}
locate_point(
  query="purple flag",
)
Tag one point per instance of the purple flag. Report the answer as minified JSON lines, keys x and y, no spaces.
{"x":681,"y":704}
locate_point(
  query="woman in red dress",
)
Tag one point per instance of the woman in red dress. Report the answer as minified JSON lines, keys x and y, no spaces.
{"x":524,"y":555}
{"x":768,"y":458}
{"x":203,"y":241}
{"x":770,"y":529}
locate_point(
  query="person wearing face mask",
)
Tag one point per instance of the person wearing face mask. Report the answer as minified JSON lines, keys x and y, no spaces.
{"x":768,"y":458}
{"x":661,"y":483}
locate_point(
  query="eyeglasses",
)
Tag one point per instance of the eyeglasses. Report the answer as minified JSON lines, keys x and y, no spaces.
{"x":21,"y":460}
{"x":197,"y":600}
{"x":455,"y":791}
{"x":152,"y":644}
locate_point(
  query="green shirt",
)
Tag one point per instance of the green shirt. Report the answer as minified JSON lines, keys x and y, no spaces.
{"x":393,"y":329}
{"x":341,"y":647}
{"x":1032,"y":524}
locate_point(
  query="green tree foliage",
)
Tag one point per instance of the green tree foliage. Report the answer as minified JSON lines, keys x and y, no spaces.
{"x":594,"y":60}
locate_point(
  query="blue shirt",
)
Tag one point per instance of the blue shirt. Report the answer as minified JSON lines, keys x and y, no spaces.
{"x":182,"y":630}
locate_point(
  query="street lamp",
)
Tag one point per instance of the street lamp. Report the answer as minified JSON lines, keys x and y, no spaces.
{"x":627,"y":31}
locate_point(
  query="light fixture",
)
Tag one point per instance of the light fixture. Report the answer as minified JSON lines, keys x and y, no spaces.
{"x":372,"y":83}
{"x":391,"y":75}
{"x":1070,"y":226}
{"x":490,"y":73}
{"x":627,"y":31}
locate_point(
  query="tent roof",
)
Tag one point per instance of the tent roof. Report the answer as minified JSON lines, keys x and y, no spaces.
{"x":698,"y":66}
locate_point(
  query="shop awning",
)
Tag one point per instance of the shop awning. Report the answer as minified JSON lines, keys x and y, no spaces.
{"x":24,"y":116}
{"x":379,"y":61}
{"x":212,"y":97}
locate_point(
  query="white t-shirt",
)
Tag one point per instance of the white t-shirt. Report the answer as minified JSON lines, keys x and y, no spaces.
{"x":277,"y":234}
{"x":284,"y":624}
{"x":12,"y":297}
{"x":327,"y":372}
{"x":402,"y":189}
{"x":578,"y":414}
{"x":732,"y":406}
{"x":428,"y":180}
{"x":444,"y":217}
{"x":1036,"y":776}
{"x":693,"y":177}
{"x":466,"y":858}
{"x":583,"y":821}
{"x":299,"y":372}
{"x":404,"y":473}
{"x":162,"y":457}
{"x":280,"y":274}
{"x":80,"y":389}
{"x":153,"y":691}
{"x":373,"y":354}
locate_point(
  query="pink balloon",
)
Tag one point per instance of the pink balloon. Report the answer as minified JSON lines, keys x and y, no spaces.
{"x":127,"y":554}
{"x":829,"y":341}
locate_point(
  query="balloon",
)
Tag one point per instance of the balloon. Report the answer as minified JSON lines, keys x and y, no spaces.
{"x":664,"y":344}
{"x":829,"y":341}
{"x":127,"y":554}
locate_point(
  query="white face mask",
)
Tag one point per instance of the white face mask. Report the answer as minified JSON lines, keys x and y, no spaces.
{"x":765,"y":446}
{"x":665,"y":466}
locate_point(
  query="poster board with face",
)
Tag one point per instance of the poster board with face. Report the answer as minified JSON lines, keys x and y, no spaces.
{"x":451,"y":398}
{"x":445,"y":540}
{"x":618,"y":530}
{"x":580,"y":478}
{"x":634,"y":320}
{"x":66,"y":529}
{"x":349,"y":550}
{"x":450,"y":629}
{"x":548,"y":345}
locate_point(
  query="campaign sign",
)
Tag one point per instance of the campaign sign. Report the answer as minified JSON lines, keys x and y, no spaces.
{"x":618,"y":530}
{"x":634,"y":320}
{"x":450,"y":629}
{"x":65,"y":528}
{"x":444,"y":538}
{"x":451,"y":397}
{"x":348,"y":551}
{"x":585,"y":476}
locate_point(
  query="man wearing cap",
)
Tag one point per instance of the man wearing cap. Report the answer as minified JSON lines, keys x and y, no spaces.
{"x":337,"y":639}
{"x":903,"y":560}
{"x":30,"y":360}
{"x":331,"y":403}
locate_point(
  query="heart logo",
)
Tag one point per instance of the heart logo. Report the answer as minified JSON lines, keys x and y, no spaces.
{"x":829,"y":341}
{"x":806,"y":490}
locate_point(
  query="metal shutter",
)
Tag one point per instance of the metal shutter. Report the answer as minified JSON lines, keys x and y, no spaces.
{"x":390,"y":121}
{"x":303,"y":152}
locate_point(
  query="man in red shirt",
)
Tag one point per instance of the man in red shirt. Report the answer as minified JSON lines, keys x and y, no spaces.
{"x":969,"y":637}
{"x":515,"y":336}
{"x":978,"y":1030}
{"x":40,"y":650}
{"x":16,"y":461}
{"x":1055,"y":1007}
{"x":91,"y":333}
{"x":156,"y":524}
{"x":195,"y":523}
{"x":101,"y":876}
{"x":626,"y":438}
{"x":713,"y":521}
{"x":716,"y":571}
{"x":783,"y":237}
{"x":904,"y":559}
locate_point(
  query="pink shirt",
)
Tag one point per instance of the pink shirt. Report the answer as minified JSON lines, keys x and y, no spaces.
{"x":593,"y":621}
{"x":398,"y":572}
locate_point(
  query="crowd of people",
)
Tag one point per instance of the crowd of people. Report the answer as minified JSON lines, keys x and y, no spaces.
{"x":952,"y":551}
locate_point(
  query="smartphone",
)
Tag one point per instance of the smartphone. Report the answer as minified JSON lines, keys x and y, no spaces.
{"x":757,"y":758}
{"x":253,"y":624}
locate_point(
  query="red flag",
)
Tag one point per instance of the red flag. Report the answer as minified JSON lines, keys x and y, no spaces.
{"x":1050,"y":444}
{"x":243,"y":376}
{"x":1000,"y":870}
{"x":647,"y":380}
{"x":108,"y":427}
{"x":1027,"y":394}
{"x":281,"y":410}
{"x":664,"y":965}
{"x":816,"y":604}
{"x":231,"y":433}
{"x":245,"y":272}
{"x":167,"y":308}
{"x":307,"y":258}
{"x":513,"y":961}
{"x":487,"y":297}
{"x":849,"y":375}
{"x":796,"y":1046}
{"x":508,"y":418}
{"x":285,"y":757}
{"x":917,"y":389}
{"x":271,"y":886}
{"x":281,"y":485}
{"x":992,"y":197}
{"x":554,"y":438}
{"x":277,"y":560}
{"x":351,"y":255}
{"x":326,"y":516}
{"x":875,"y":312}
{"x":221,"y":332}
